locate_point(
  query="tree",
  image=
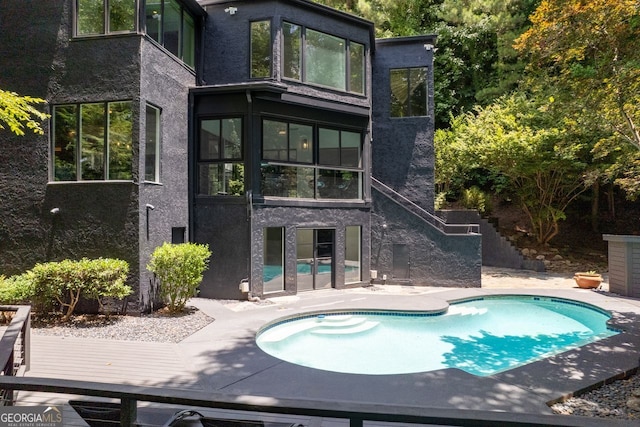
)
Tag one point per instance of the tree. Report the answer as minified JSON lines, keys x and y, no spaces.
{"x":475,"y":62}
{"x":18,"y":112}
{"x":588,"y":51}
{"x":523,"y":145}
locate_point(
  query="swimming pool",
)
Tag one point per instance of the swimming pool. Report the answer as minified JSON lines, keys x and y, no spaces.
{"x":480,"y":336}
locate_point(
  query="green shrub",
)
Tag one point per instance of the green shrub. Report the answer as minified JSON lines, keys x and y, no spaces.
{"x":179,"y":268}
{"x":440,"y":201}
{"x":474,"y":198}
{"x":16,"y":289}
{"x":66,"y":281}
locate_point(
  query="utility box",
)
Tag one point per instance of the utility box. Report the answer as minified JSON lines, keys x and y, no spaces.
{"x":624,"y":264}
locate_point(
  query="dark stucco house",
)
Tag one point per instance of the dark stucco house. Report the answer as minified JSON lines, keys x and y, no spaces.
{"x":280,"y":132}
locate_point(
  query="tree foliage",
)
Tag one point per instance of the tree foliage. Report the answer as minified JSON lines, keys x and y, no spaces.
{"x":588,"y":51}
{"x":475,"y":62}
{"x":20,"y":112}
{"x":524,"y":148}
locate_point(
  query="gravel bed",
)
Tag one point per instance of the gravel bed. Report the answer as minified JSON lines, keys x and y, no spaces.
{"x":155,"y":327}
{"x":608,"y":401}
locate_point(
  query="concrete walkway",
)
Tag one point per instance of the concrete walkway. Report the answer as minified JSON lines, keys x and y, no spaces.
{"x":224,"y":357}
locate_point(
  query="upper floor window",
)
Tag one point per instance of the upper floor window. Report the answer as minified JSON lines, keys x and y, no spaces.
{"x":408,"y":92}
{"x":220,"y":165}
{"x":173,"y":27}
{"x":319,"y":58}
{"x":92,"y":141}
{"x":260,"y":49}
{"x":96,"y":17}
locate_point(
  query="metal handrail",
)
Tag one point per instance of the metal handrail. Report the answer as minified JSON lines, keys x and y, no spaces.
{"x":422,"y":213}
{"x":15,"y":347}
{"x":356,"y":413}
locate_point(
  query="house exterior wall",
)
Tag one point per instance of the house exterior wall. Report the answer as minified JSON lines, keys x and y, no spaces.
{"x":164,"y":83}
{"x":403,"y":155}
{"x":95,"y":218}
{"x":129,"y":219}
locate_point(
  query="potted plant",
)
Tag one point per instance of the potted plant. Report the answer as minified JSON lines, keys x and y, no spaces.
{"x":588,"y":280}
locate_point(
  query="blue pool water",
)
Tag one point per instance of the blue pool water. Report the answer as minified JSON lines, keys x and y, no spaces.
{"x":482,"y":337}
{"x":270,"y":272}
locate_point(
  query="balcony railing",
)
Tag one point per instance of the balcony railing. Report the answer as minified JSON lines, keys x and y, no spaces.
{"x":15,"y":347}
{"x":423,"y":214}
{"x":355,"y":413}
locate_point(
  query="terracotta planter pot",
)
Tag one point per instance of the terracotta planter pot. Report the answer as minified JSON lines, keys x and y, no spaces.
{"x":587,"y":280}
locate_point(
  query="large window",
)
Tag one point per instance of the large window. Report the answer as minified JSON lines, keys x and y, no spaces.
{"x":169,"y":24}
{"x":92,"y":141}
{"x":260,"y":49}
{"x":220,"y":166}
{"x":152,"y":145}
{"x":408,"y":92}
{"x":95,"y":17}
{"x":327,"y":60}
{"x":310,"y":161}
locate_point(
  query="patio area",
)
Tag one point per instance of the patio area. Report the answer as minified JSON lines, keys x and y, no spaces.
{"x":223,"y":356}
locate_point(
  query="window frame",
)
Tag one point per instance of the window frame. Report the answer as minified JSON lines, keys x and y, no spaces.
{"x":77,"y":132}
{"x":182,"y":42}
{"x":157,"y":143}
{"x":304,"y":65}
{"x":297,"y":173}
{"x":221,"y":159}
{"x":269,"y":22}
{"x":106,"y":20}
{"x":407,"y":106}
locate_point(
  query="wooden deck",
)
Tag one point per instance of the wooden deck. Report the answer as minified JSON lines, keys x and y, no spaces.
{"x":109,"y":361}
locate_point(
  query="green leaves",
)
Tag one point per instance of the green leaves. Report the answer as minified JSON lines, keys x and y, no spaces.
{"x":67,"y":281}
{"x":521,"y":143}
{"x":19,"y":112}
{"x":179,"y":268}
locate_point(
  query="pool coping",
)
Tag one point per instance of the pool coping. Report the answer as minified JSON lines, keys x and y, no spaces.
{"x":240,"y":367}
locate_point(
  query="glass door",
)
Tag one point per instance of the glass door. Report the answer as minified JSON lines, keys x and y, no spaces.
{"x":315,"y":258}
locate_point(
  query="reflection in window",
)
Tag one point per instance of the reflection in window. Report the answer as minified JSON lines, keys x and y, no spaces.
{"x":152,"y":145}
{"x":408,"y":92}
{"x":289,"y":142}
{"x":339,"y":148}
{"x":292,"y":60}
{"x":119,"y":142}
{"x":221,"y":179}
{"x":261,"y":49}
{"x":305,"y":172}
{"x":357,"y":69}
{"x":92,"y":141}
{"x":65,"y":131}
{"x":173,"y":27}
{"x":353,"y":255}
{"x":273,"y":262}
{"x":288,"y":181}
{"x":120,"y":16}
{"x":220,"y":166}
{"x":326,"y":58}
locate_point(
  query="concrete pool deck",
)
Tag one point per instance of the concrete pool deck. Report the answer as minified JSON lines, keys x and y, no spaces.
{"x":223,"y":356}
